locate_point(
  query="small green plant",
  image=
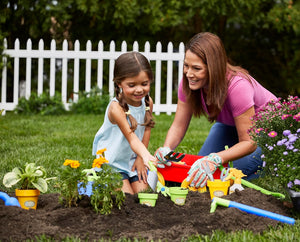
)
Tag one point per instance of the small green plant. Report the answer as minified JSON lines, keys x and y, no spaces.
{"x":93,"y":102}
{"x":106,"y":190}
{"x":100,"y":183}
{"x":276,"y":130}
{"x":68,"y":177}
{"x":43,"y":104}
{"x":29,"y":177}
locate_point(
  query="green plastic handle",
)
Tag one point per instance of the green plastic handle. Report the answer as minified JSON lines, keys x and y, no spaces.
{"x":258,"y":188}
{"x":262,"y":190}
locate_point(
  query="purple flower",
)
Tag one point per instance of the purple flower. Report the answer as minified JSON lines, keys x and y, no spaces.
{"x":295,"y":150}
{"x":285,"y":153}
{"x":264,"y":164}
{"x":290,"y":184}
{"x":286,"y":132}
{"x":297,"y":182}
{"x":280,"y":143}
{"x":292,"y":138}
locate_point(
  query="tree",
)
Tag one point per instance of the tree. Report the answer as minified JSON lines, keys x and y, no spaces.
{"x":261,"y":35}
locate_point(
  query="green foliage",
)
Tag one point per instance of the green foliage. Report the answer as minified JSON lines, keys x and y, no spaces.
{"x":28,"y":177}
{"x":107,"y":190}
{"x":93,"y":102}
{"x":276,"y":130}
{"x":43,"y":104}
{"x":68,"y":177}
{"x":101,"y":183}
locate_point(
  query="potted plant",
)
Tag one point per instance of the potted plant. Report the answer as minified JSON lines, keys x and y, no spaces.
{"x":276,"y":130}
{"x":32,"y":180}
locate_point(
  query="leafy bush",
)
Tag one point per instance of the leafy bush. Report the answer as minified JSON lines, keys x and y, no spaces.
{"x":43,"y":104}
{"x":93,"y":102}
{"x":276,"y":130}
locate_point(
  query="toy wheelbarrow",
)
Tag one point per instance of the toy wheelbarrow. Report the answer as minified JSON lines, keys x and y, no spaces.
{"x":180,"y":165}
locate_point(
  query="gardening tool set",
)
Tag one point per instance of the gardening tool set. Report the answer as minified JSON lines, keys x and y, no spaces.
{"x":224,"y":175}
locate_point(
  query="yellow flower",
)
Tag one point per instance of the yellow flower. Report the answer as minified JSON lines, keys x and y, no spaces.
{"x":101,"y":152}
{"x":75,"y":164}
{"x":72,"y":163}
{"x":99,"y":162}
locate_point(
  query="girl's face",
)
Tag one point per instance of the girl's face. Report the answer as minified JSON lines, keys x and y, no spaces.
{"x":135,"y":88}
{"x":195,"y":71}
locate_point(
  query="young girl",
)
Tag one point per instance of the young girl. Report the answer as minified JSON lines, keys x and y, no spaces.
{"x":128,"y":120}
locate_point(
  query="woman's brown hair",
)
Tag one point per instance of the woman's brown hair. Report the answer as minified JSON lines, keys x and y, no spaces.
{"x":127,"y":65}
{"x":210,"y":49}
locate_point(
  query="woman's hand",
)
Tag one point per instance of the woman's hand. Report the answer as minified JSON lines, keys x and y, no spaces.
{"x":160,"y":154}
{"x":197,"y":174}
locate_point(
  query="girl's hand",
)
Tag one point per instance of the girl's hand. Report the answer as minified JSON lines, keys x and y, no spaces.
{"x":150,"y":159}
{"x":141,"y":169}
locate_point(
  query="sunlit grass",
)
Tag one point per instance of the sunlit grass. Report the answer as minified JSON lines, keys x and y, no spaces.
{"x":49,"y":140}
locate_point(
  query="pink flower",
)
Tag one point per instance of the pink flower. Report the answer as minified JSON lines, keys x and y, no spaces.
{"x":272,"y":134}
{"x":285,"y":116}
{"x":258,"y":130}
{"x":297,"y":117}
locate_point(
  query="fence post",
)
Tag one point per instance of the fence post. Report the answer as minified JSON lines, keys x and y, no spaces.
{"x":16,"y":74}
{"x":40,"y":68}
{"x":52,"y":69}
{"x":158,"y":77}
{"x":112,"y":48}
{"x":100,"y":66}
{"x":28,"y":70}
{"x":76,"y":72}
{"x":169,"y":78}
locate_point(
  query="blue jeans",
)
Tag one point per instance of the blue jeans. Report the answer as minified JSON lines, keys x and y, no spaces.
{"x":221,"y":135}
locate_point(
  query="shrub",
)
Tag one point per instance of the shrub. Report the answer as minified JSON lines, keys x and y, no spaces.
{"x":43,"y":104}
{"x":93,"y":102}
{"x":276,"y":130}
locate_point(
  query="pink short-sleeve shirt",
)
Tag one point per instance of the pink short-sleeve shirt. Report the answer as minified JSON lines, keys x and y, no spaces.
{"x":241,"y":96}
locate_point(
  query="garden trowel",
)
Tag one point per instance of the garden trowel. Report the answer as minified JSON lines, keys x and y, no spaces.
{"x":152,"y":178}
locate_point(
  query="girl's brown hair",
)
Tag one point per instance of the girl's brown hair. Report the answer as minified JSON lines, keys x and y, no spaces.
{"x":127,"y":65}
{"x":210,"y":49}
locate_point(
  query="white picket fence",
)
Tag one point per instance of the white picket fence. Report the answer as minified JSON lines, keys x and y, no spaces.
{"x":173,"y":59}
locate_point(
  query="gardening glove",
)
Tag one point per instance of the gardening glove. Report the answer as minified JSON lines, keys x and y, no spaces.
{"x":197,"y":175}
{"x":160,"y":154}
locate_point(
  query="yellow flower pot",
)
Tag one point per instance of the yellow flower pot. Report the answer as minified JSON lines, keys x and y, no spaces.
{"x":28,"y":198}
{"x":218,"y":188}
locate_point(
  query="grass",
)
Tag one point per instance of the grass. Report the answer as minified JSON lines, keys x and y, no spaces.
{"x":49,"y":140}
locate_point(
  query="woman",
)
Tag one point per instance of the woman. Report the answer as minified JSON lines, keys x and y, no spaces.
{"x":226,"y":95}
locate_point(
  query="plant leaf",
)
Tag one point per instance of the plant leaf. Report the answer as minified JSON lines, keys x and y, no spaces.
{"x":41,"y":185}
{"x":10,"y":179}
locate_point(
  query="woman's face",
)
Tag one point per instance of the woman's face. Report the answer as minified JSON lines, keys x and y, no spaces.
{"x":195,"y":71}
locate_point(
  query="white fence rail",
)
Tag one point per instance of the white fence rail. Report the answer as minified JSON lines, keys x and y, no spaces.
{"x":65,"y":61}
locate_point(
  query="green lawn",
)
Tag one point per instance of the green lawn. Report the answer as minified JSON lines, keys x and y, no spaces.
{"x":49,"y":140}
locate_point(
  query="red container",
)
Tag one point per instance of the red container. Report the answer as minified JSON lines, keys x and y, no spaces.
{"x":177,"y":172}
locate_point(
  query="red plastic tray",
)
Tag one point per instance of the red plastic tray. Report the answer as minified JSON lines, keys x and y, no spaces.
{"x":177,"y":172}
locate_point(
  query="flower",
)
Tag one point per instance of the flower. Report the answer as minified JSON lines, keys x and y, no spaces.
{"x":276,"y":130}
{"x":101,"y":183}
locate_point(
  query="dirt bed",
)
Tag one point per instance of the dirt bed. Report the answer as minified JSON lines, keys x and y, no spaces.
{"x":165,"y":221}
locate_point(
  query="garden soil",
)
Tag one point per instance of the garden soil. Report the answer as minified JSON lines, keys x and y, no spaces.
{"x":166,"y":221}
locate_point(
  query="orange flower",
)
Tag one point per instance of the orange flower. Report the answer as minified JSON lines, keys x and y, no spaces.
{"x":101,"y":152}
{"x":99,"y":162}
{"x":72,"y":163}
